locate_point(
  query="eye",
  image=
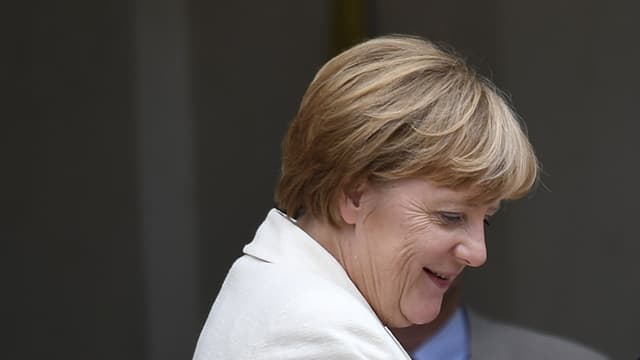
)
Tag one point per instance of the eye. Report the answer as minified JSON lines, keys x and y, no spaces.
{"x":487,"y":222}
{"x":450,"y":218}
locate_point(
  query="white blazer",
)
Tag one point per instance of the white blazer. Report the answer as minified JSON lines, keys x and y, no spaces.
{"x":288,"y":298}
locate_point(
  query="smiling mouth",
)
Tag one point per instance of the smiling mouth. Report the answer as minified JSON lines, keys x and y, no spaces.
{"x":442,"y":281}
{"x":438,"y":275}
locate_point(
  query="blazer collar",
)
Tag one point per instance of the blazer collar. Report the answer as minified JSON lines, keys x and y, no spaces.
{"x":279,"y":240}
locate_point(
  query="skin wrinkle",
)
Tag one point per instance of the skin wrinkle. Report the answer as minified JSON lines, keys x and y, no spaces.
{"x":414,"y":209}
{"x":421,"y":220}
{"x":404,"y":269}
{"x":392,"y":231}
{"x":425,"y":217}
{"x":376,"y":282}
{"x":372,"y":285}
{"x":422,"y":211}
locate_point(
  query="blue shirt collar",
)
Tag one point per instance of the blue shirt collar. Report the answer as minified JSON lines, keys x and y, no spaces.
{"x":450,"y":342}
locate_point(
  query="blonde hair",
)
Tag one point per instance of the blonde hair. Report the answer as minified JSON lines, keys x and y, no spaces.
{"x":396,"y":107}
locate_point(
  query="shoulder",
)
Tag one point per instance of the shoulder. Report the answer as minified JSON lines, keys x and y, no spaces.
{"x":268,"y":311}
{"x":497,"y":340}
{"x":315,"y":324}
{"x":265,"y":290}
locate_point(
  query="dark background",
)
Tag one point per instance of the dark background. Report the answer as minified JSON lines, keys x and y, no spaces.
{"x":140,"y":147}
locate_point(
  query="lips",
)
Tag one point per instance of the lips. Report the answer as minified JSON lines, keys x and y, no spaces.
{"x":442,"y":280}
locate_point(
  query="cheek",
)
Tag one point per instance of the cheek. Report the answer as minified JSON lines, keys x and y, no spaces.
{"x":406,"y":263}
{"x":386,"y":230}
{"x":411,"y":239}
{"x":434,"y":241}
{"x":420,"y":231}
{"x":418,"y":240}
{"x":402,"y":243}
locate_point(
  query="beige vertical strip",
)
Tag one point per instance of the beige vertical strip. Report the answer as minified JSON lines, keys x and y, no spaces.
{"x":349,"y":24}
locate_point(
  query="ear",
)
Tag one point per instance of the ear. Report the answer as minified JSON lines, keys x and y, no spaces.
{"x":350,"y":203}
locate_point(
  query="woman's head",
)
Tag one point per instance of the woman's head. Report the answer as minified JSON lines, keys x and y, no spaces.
{"x":398,"y":155}
{"x":396,"y":108}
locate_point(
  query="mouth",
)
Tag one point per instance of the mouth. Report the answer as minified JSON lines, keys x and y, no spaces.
{"x":442,"y":280}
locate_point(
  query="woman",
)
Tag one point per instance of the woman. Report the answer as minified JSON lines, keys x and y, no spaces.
{"x":398,"y":156}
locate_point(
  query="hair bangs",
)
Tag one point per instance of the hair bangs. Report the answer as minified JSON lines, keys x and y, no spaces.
{"x":489,"y":152}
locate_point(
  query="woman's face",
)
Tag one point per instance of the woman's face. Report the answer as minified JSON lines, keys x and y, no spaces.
{"x":407,"y":242}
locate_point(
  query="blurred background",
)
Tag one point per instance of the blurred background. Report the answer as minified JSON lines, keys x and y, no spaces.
{"x":141,"y":145}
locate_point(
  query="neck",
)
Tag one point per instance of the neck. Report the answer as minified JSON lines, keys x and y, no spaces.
{"x":325,"y":234}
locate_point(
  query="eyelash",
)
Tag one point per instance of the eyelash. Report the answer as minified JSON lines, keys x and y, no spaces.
{"x":453,"y":218}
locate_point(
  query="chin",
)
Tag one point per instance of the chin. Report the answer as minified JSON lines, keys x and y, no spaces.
{"x":422,"y":313}
{"x":425,"y":318}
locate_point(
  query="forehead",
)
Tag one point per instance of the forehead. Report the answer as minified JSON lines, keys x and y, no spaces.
{"x":425,"y":190}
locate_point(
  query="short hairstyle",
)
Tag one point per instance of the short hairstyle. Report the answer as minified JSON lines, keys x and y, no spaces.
{"x":396,"y":107}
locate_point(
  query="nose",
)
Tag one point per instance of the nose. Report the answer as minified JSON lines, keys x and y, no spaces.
{"x":472,"y":249}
